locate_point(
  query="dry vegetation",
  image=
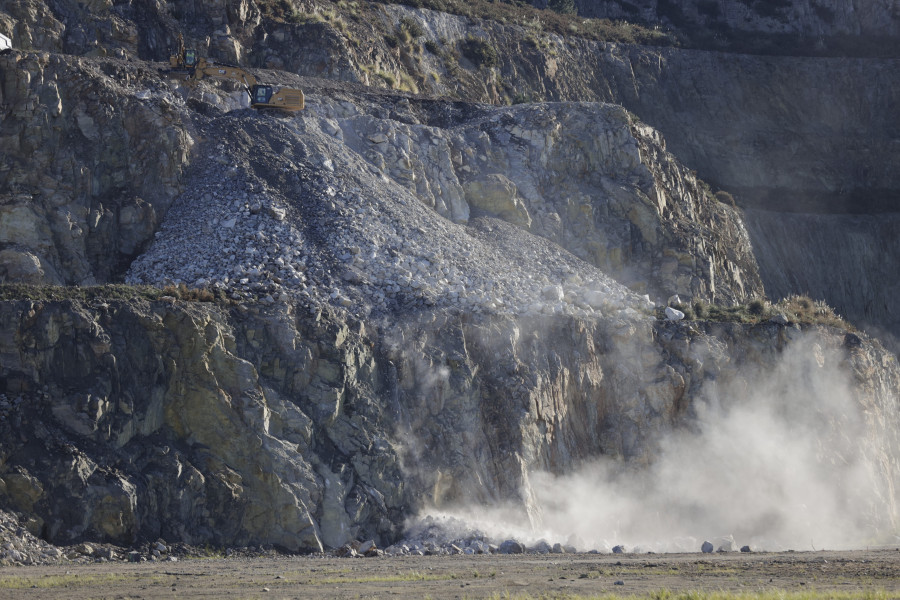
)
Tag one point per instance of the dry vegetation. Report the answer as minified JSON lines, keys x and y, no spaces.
{"x":796,"y":309}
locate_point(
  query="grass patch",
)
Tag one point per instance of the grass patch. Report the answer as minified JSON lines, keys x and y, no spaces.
{"x":480,"y":52}
{"x":398,"y":578}
{"x":797,"y":309}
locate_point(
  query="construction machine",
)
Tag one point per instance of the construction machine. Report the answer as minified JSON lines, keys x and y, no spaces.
{"x":5,"y":44}
{"x":192,"y":67}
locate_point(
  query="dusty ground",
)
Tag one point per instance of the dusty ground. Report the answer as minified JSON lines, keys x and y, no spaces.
{"x":459,"y":576}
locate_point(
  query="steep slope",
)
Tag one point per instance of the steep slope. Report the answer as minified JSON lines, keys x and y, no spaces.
{"x":793,"y":134}
{"x":785,"y":244}
{"x":589,"y":178}
{"x":815,"y":25}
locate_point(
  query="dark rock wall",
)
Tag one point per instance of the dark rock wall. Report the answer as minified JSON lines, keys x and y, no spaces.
{"x":127,"y":422}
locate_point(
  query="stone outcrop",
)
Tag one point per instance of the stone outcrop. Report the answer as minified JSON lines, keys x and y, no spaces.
{"x":90,"y":159}
{"x":588,"y":177}
{"x":857,"y":251}
{"x":271,"y":426}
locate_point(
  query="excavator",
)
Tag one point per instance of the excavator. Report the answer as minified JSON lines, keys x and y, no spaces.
{"x":187,"y":63}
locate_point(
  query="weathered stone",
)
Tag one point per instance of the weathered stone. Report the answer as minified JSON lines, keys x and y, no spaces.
{"x":511,"y":547}
{"x":553,"y":293}
{"x":497,"y":195}
{"x":673,"y":314}
{"x":725,"y":544}
{"x":707,"y":547}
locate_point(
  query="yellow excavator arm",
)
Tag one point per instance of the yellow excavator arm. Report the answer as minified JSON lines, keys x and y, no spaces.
{"x":186,"y":62}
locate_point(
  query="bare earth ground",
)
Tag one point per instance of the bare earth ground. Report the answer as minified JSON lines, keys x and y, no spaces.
{"x":462,"y":576}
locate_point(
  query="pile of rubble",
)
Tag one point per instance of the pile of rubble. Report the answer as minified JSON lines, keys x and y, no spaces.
{"x":316,"y":234}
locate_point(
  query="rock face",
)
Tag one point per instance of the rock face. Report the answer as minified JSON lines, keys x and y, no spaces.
{"x":782,"y":133}
{"x":91,"y":159}
{"x":584,"y":176}
{"x":416,"y":307}
{"x":268,"y":426}
{"x":858,"y":276}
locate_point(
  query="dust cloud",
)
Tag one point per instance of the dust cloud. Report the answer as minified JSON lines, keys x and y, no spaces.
{"x":784,"y":457}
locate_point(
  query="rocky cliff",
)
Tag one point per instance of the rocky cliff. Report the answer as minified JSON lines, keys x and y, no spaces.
{"x":134,"y":420}
{"x":435,"y":287}
{"x":783,"y":133}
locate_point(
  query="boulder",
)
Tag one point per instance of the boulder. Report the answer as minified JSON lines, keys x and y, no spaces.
{"x":366,"y":547}
{"x":511,"y":547}
{"x":22,"y":266}
{"x":779,"y":319}
{"x":725,"y":544}
{"x":553,"y":293}
{"x":707,"y":547}
{"x":674,"y":314}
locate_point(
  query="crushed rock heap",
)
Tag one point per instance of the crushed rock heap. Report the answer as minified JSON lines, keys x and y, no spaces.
{"x":377,"y":215}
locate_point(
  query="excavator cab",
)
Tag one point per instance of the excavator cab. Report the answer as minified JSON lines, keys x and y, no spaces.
{"x":260,"y":95}
{"x":267,"y":96}
{"x":190,"y":58}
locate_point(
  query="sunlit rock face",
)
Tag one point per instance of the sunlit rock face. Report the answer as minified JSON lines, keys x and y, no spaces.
{"x":183,"y":420}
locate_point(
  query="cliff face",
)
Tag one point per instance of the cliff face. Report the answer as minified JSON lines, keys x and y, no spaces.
{"x":269,"y":426}
{"x":856,"y":252}
{"x":88,"y":167}
{"x":591,"y":178}
{"x":415,"y":302}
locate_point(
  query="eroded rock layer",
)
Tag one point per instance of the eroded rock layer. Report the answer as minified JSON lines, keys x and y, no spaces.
{"x":127,"y":421}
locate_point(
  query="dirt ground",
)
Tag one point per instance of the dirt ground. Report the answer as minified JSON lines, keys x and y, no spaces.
{"x":460,"y":576}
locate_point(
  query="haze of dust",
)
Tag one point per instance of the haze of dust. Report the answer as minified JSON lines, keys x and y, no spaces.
{"x":786,"y":458}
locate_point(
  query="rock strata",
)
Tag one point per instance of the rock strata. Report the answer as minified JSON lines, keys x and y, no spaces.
{"x":131,"y":425}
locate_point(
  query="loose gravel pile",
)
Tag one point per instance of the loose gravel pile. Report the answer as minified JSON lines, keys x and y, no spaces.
{"x":279,"y":210}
